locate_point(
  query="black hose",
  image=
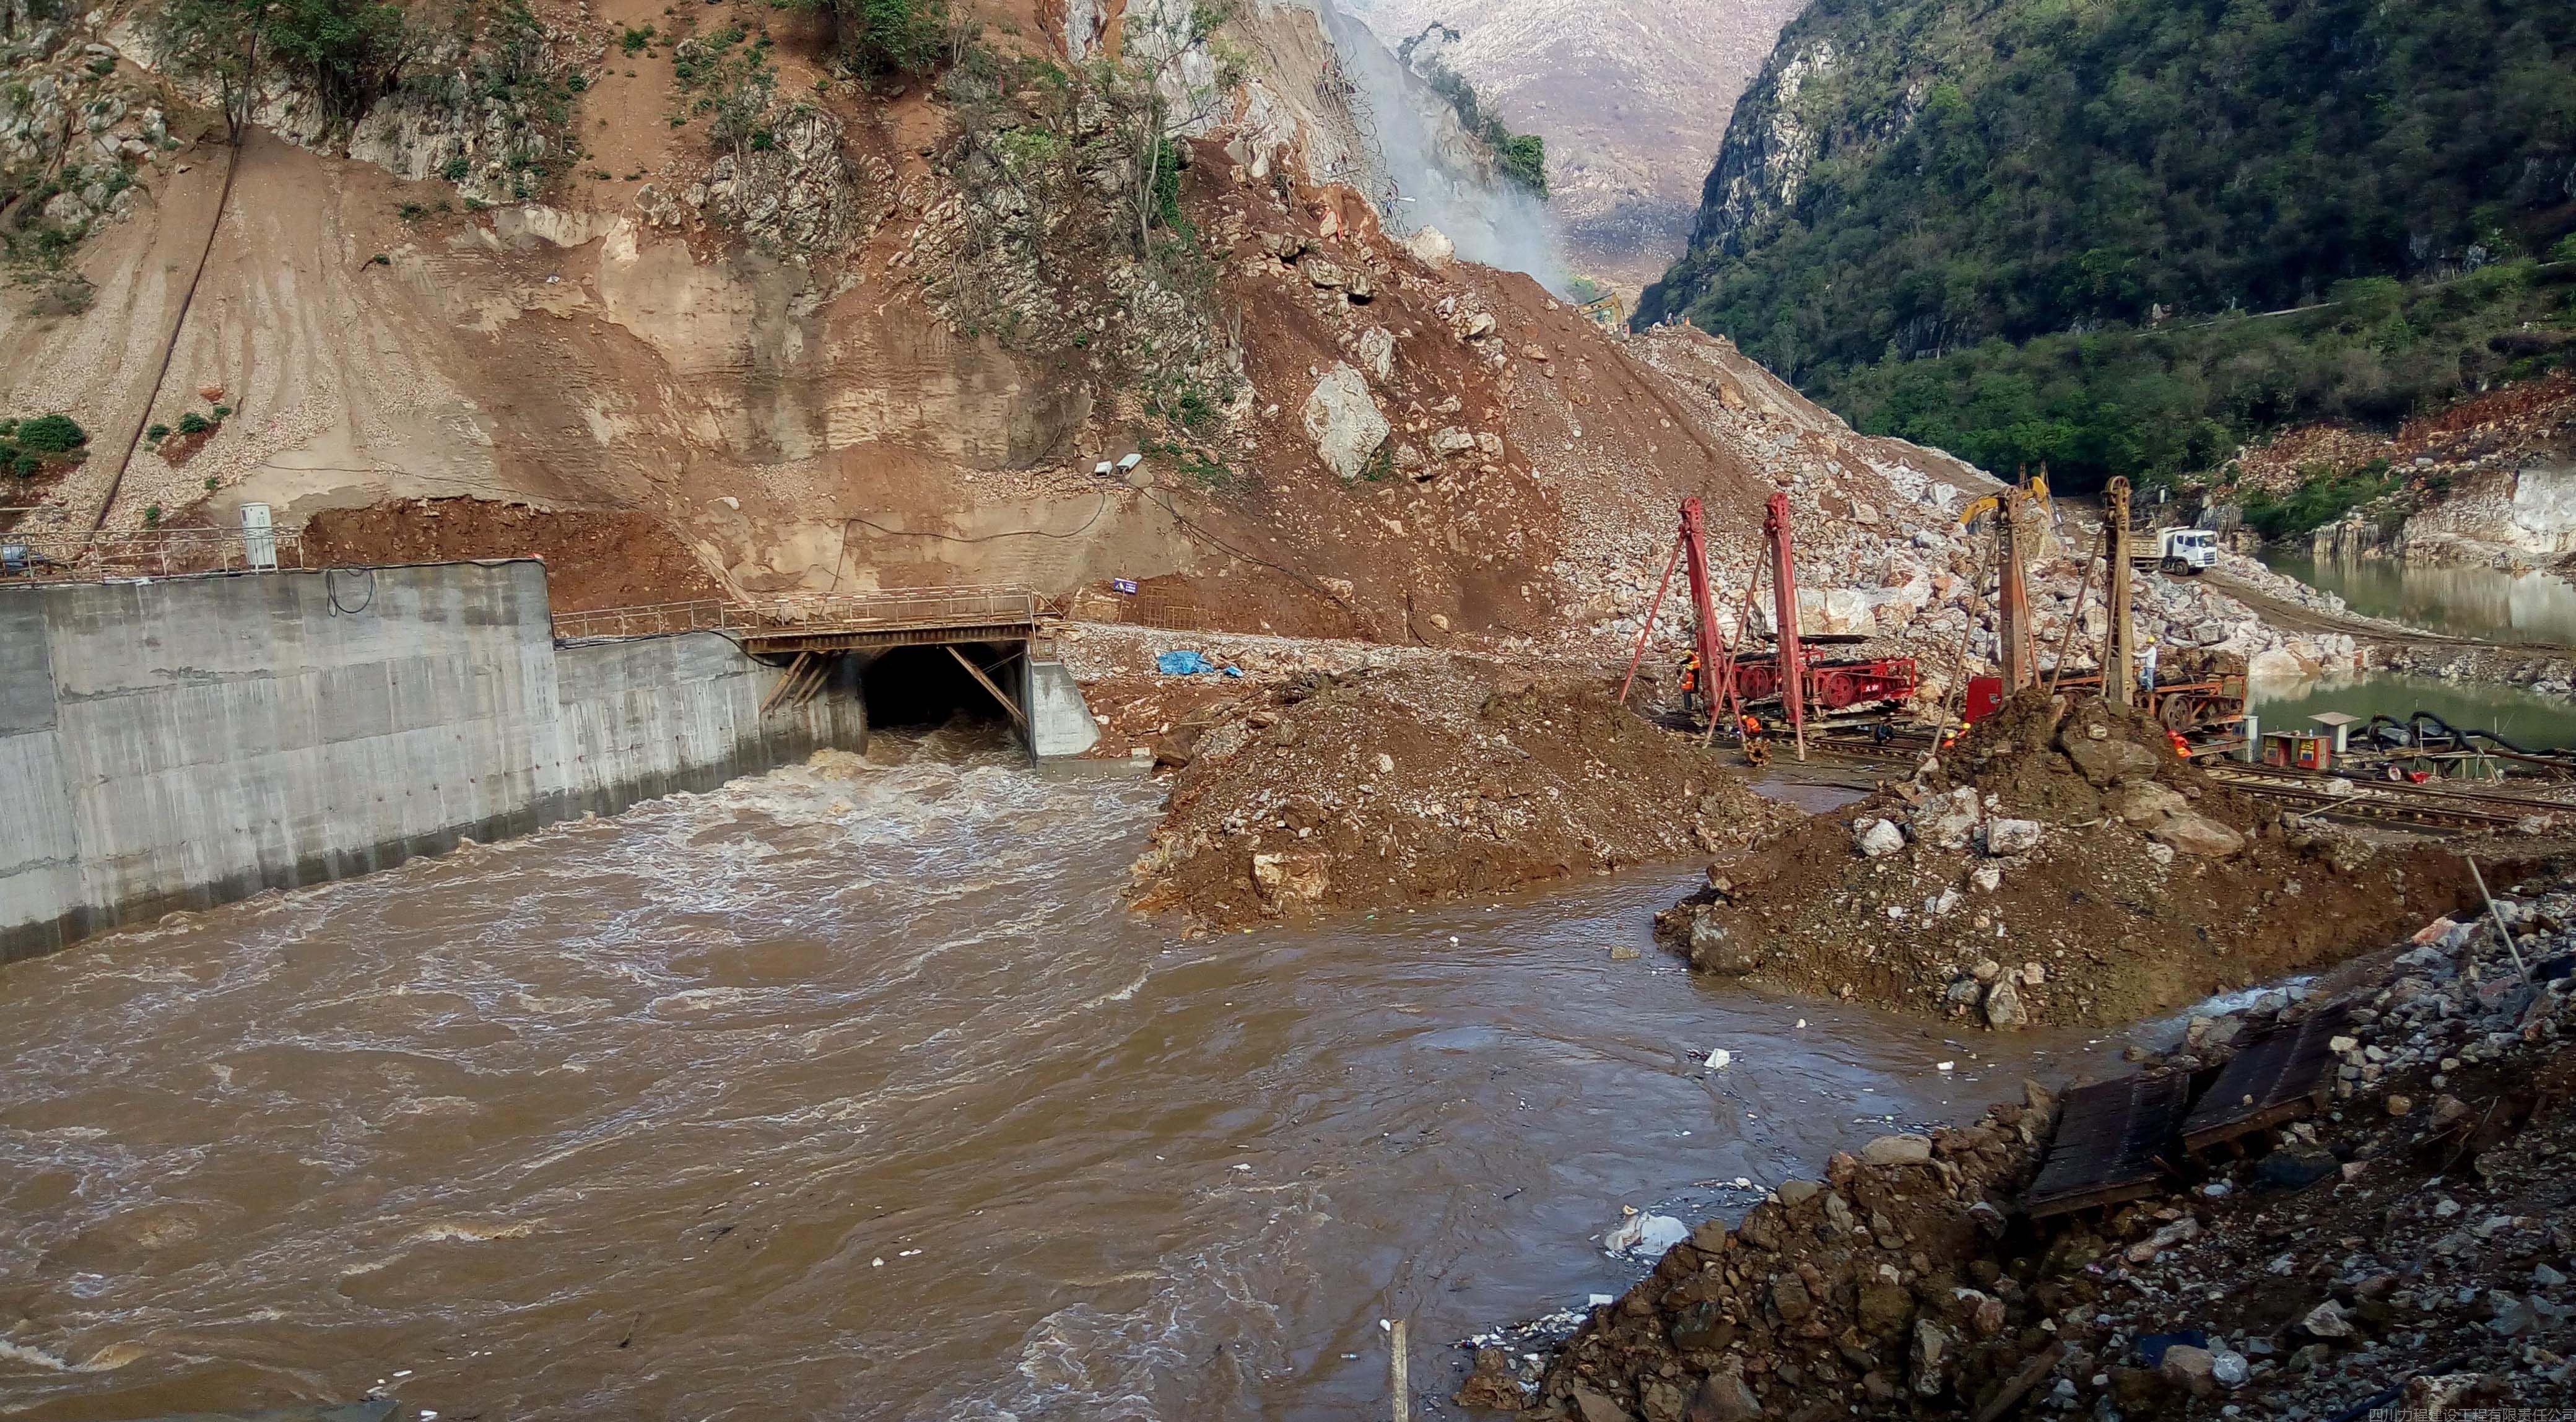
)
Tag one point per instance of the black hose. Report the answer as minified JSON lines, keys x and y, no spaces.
{"x":2461,"y":735}
{"x":331,"y":590}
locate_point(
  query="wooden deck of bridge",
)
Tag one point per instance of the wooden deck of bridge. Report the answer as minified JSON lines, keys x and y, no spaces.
{"x":829,"y":622}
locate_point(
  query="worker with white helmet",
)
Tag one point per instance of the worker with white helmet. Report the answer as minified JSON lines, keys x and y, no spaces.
{"x":2147,"y":667}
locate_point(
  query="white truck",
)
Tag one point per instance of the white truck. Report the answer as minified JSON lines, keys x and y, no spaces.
{"x":2182,"y":550}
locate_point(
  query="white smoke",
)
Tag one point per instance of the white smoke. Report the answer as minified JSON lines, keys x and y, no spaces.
{"x":1439,"y":174}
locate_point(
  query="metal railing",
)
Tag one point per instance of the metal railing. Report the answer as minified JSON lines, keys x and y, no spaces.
{"x":34,"y":555}
{"x":811,"y":612}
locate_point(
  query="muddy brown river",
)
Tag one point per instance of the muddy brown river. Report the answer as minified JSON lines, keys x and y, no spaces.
{"x":855,"y":1093}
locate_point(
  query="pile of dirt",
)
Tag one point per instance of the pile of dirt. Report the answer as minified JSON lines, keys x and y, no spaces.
{"x":2058,"y":863}
{"x":593,"y":559}
{"x":1378,"y":788}
{"x":2412,"y":1248}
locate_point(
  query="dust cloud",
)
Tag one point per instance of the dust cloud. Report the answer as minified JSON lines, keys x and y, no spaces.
{"x":1437,"y":180}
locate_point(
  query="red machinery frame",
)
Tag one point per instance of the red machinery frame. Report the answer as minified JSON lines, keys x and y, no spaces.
{"x":1737,"y":680}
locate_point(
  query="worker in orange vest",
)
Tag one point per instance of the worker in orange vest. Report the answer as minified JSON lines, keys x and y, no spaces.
{"x":1690,"y":682}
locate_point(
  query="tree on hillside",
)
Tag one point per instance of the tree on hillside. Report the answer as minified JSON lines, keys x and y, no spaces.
{"x":348,"y":53}
{"x":887,"y":38}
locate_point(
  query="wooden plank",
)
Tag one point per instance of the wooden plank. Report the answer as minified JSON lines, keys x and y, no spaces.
{"x":987,"y":683}
{"x":795,"y":673}
{"x":2112,"y":1144}
{"x":2279,"y":1074}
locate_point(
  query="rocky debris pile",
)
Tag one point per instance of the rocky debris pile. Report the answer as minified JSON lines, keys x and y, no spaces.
{"x":76,"y":122}
{"x":2061,"y":863}
{"x":1879,"y":549}
{"x":2544,"y":670}
{"x":1873,"y":1286}
{"x":2411,"y":1248}
{"x":2486,"y":480}
{"x":1407,"y":786}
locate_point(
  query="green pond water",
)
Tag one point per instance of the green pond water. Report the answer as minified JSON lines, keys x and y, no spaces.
{"x":2465,"y":602}
{"x":2523,"y":717}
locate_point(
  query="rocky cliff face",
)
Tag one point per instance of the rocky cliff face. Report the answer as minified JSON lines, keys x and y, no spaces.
{"x":1794,"y":123}
{"x":2489,"y":481}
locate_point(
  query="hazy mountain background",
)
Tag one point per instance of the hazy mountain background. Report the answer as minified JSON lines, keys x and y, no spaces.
{"x":1632,"y":100}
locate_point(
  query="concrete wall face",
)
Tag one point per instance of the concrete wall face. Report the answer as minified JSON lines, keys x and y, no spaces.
{"x":1060,"y":720}
{"x":192,"y":741}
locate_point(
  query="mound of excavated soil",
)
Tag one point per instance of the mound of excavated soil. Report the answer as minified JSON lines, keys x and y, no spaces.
{"x":1411,"y":786}
{"x":2058,"y":863}
{"x":593,"y":559}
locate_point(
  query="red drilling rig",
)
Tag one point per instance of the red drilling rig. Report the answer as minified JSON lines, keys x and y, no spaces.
{"x":1759,"y":678}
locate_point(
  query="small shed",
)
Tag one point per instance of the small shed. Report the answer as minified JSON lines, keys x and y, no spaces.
{"x":2340,"y":724}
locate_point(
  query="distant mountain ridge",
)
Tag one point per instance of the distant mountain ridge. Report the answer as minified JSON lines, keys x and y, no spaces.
{"x":1631,"y":99}
{"x":1913,"y":178}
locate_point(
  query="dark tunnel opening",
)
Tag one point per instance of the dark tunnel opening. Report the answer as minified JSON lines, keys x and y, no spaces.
{"x":925,"y":687}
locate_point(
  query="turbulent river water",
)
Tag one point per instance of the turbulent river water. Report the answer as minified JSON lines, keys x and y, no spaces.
{"x":853,"y":1091}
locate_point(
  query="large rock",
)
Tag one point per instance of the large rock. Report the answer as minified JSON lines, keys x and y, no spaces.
{"x":2005,"y":837}
{"x":1884,"y":1309}
{"x":1701,"y":1328}
{"x":1897,"y":1150}
{"x":2111,"y":759}
{"x":2004,"y":1011}
{"x":1452,"y":441}
{"x":1878,"y":839}
{"x":1491,"y":1385}
{"x":1723,"y":1397}
{"x":1947,"y":821}
{"x":1715,"y":950}
{"x":2326,"y":1320}
{"x":1343,"y":421}
{"x":1931,"y":1359}
{"x":2195,"y":833}
{"x":2195,"y":1369}
{"x":1431,"y":247}
{"x":1593,"y":1405}
{"x":1376,"y":350}
{"x":1298,"y":876}
{"x":2144,"y":802}
{"x":1789,"y":1296}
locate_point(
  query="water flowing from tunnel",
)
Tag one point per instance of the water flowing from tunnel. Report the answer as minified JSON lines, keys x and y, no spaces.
{"x":852,"y":1090}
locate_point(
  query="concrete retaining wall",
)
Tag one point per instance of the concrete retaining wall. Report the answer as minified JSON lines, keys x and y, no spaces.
{"x":192,"y":741}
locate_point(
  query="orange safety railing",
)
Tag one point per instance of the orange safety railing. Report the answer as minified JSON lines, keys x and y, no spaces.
{"x":28,"y":555}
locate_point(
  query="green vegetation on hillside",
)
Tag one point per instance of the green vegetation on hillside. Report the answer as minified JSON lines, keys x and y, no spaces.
{"x":2156,"y":404}
{"x":348,"y":53}
{"x":2323,"y":495}
{"x":888,"y":38}
{"x":26,"y":445}
{"x":1521,"y":156}
{"x":2031,"y":231}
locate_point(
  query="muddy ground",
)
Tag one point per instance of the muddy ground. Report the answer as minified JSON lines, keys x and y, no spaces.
{"x":2059,"y":863}
{"x":2412,"y":1247}
{"x":593,"y":559}
{"x":1377,"y":787}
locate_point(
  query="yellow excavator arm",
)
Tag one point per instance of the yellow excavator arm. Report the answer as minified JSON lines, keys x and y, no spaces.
{"x":2036,"y":488}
